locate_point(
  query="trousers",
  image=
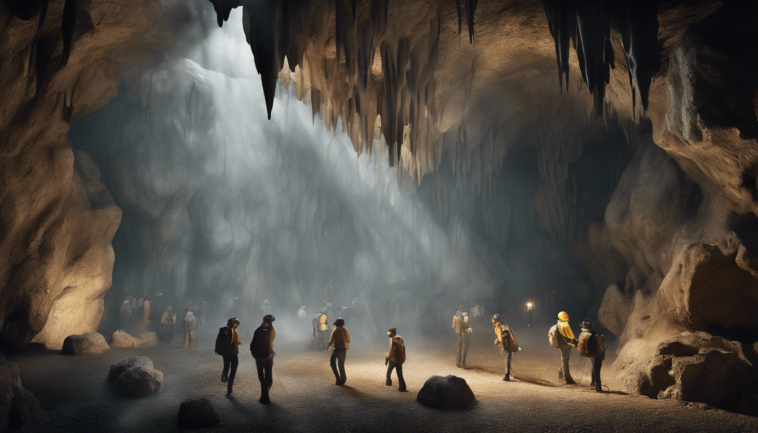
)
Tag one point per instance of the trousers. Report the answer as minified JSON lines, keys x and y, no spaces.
{"x":230,"y":368}
{"x":463,"y":343}
{"x":399,"y":367}
{"x":508,"y":356}
{"x":565,"y":353}
{"x":338,"y":358}
{"x":597,"y":364}
{"x":265,"y":367}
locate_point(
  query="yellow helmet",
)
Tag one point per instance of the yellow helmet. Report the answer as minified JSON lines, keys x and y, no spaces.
{"x":563,"y":315}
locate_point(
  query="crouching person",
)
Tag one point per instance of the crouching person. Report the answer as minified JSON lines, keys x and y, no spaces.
{"x":262,"y":349}
{"x":341,"y":340}
{"x":396,"y":358}
{"x":592,"y":346}
{"x":506,"y":339}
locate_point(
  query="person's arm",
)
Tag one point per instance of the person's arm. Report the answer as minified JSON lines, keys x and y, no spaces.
{"x":389,"y":355}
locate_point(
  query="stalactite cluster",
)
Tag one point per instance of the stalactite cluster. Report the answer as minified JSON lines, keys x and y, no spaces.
{"x":587,"y":25}
{"x":44,"y":47}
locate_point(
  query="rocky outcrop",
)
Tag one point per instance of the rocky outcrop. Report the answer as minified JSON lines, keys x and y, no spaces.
{"x":446,"y":393}
{"x":18,"y":406}
{"x":197,"y":413}
{"x":136,"y":377}
{"x":91,"y":343}
{"x":59,"y":62}
{"x":701,"y":368}
{"x":122,"y":338}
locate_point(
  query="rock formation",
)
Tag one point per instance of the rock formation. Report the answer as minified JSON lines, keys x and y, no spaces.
{"x":122,"y":338}
{"x":197,"y":413}
{"x":136,"y":377}
{"x":91,"y":343}
{"x":446,"y":393}
{"x":17,"y":405}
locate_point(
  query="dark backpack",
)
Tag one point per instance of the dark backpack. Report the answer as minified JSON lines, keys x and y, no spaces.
{"x":587,"y":345}
{"x":260,"y":347}
{"x":224,"y":341}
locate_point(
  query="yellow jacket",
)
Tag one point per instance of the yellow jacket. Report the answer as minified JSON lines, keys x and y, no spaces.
{"x":340,"y":338}
{"x":565,"y":330}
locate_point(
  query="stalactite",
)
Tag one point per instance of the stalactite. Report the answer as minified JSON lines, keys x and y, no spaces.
{"x":70,"y":10}
{"x":588,"y":25}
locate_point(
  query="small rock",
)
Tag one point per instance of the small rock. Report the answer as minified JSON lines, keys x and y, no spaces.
{"x":197,"y":413}
{"x":91,"y":343}
{"x":146,"y":338}
{"x":18,"y":406}
{"x":139,"y":381}
{"x":122,"y":338}
{"x":446,"y":393}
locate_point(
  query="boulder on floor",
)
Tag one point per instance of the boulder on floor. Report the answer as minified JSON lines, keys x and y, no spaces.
{"x":91,"y":343}
{"x":125,"y":364}
{"x":136,"y":377}
{"x":446,"y":393}
{"x":700,"y":367}
{"x":197,"y":413}
{"x":18,"y":406}
{"x":122,"y":338}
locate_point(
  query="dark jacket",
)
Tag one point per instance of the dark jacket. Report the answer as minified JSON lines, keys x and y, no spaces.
{"x":397,"y":350}
{"x":262,"y":345}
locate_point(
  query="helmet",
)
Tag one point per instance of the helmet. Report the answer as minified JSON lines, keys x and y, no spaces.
{"x":496,"y":317}
{"x":563,"y":315}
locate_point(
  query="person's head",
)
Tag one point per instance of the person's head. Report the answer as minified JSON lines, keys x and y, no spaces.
{"x":587,"y":325}
{"x":170,"y":308}
{"x":144,"y":296}
{"x":355,"y":299}
{"x":460,"y":308}
{"x":232,"y":322}
{"x":340,"y":322}
{"x":268,"y":319}
{"x":392,"y":332}
{"x":496,"y":318}
{"x":563,"y":316}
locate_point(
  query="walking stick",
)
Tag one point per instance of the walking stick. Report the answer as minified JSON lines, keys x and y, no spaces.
{"x":280,"y":382}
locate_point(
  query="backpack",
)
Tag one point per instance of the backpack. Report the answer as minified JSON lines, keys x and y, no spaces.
{"x":261,"y":344}
{"x":553,"y":336}
{"x":587,"y":345}
{"x":399,"y":346}
{"x":509,"y":343}
{"x":224,"y":341}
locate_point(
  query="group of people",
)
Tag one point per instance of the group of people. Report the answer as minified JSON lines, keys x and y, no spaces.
{"x":505,"y":339}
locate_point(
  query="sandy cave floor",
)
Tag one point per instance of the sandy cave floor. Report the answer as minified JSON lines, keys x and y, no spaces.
{"x":75,"y":396}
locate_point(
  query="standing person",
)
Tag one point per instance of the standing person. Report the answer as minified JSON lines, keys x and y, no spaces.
{"x":506,"y":339}
{"x":341,"y":340}
{"x":396,"y":358}
{"x":529,"y":313}
{"x":125,"y":314}
{"x":262,"y":349}
{"x":301,"y":312}
{"x":562,"y":338}
{"x":266,"y":307}
{"x":146,"y":313}
{"x":228,"y":346}
{"x":168,"y":320}
{"x":462,"y":329}
{"x":592,"y":346}
{"x":321,"y":327}
{"x":190,"y":326}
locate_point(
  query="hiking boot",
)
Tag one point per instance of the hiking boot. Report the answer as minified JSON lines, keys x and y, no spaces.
{"x":389,"y":382}
{"x":458,"y":365}
{"x":264,"y":400}
{"x":402,"y":389}
{"x":338,"y":383}
{"x":507,"y":378}
{"x":229,"y":391}
{"x":560,"y":374}
{"x":570,"y":381}
{"x":224,"y":379}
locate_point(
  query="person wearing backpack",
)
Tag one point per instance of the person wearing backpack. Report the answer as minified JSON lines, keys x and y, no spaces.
{"x":506,"y":339}
{"x":561,"y":337}
{"x":396,"y":358}
{"x":228,"y":346}
{"x":168,"y":320}
{"x":462,"y":329}
{"x":262,"y":349}
{"x":592,"y":346}
{"x":341,"y":340}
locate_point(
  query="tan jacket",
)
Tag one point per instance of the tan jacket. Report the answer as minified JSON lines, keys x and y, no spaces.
{"x":340,"y":338}
{"x":397,"y":350}
{"x":459,"y":325}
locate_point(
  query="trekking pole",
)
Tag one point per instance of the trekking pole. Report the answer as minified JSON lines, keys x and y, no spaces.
{"x":281,"y":383}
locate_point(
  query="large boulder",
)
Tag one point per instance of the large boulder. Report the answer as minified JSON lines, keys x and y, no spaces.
{"x":91,"y":343}
{"x":197,"y":413}
{"x":122,"y":338}
{"x":136,"y":377}
{"x":700,"y":367}
{"x":446,"y":393}
{"x":126,"y":364}
{"x":17,"y":405}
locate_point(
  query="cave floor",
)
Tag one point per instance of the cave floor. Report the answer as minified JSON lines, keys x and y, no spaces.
{"x":75,"y":396}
